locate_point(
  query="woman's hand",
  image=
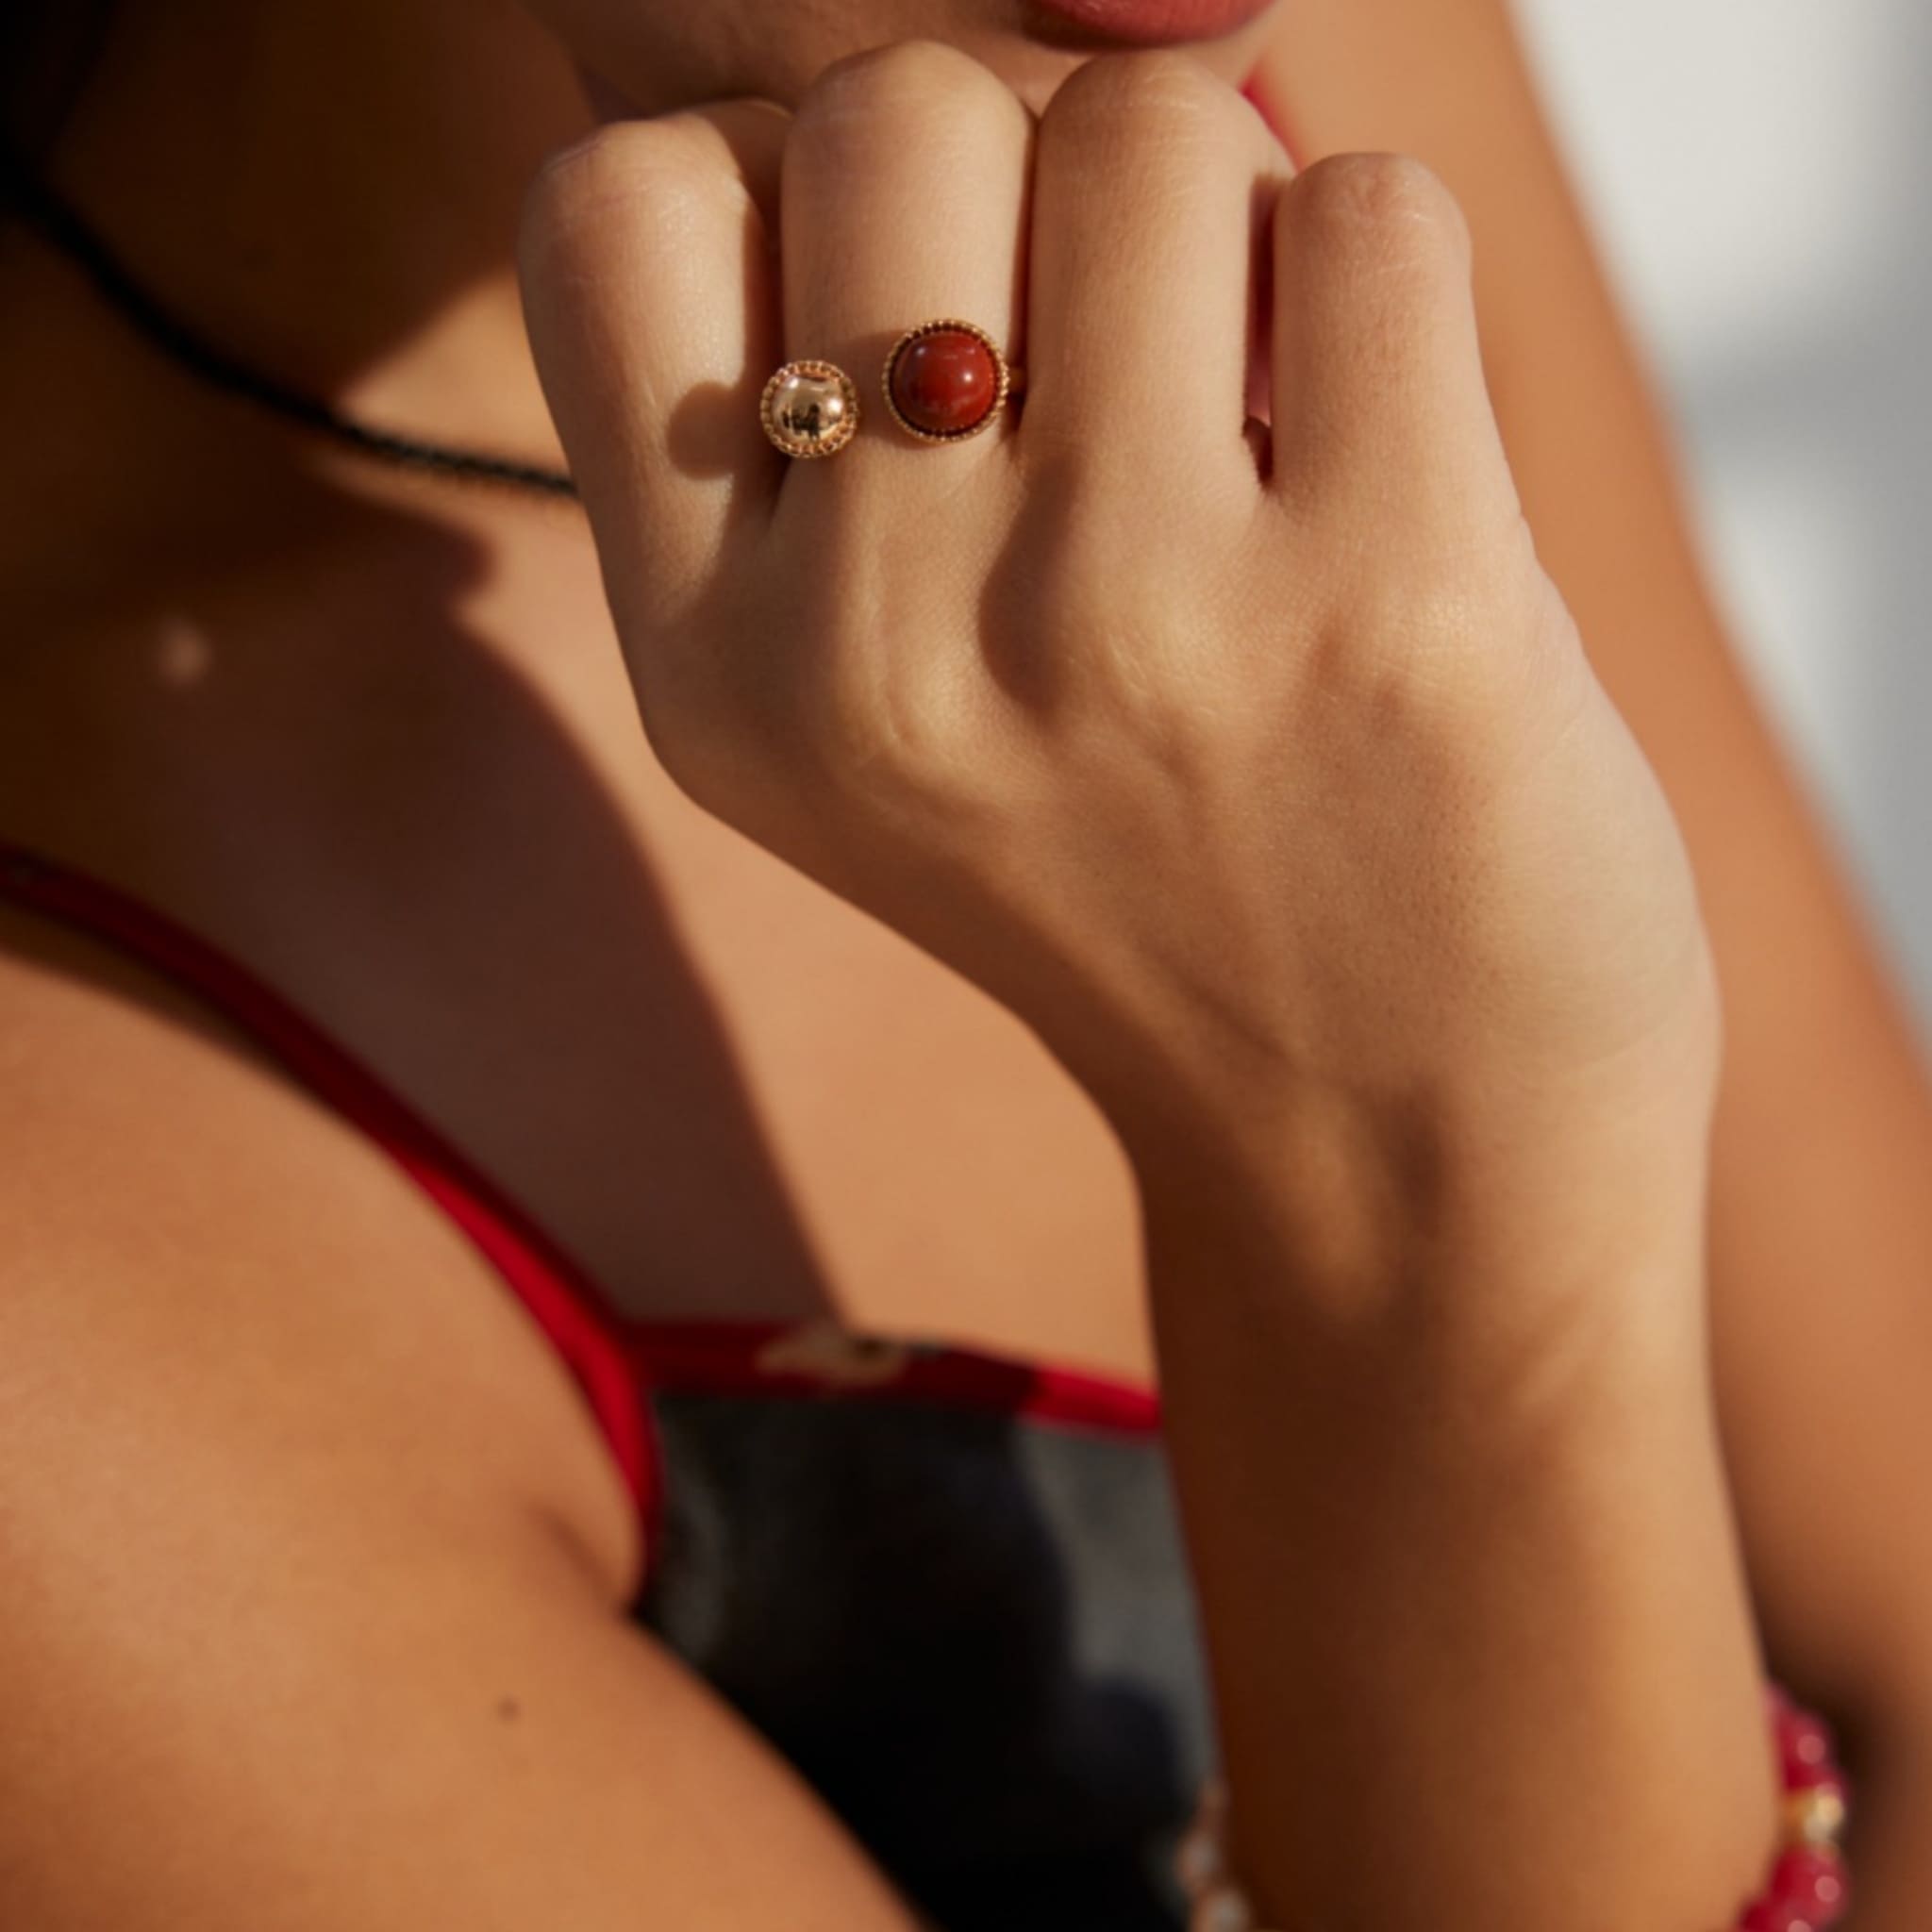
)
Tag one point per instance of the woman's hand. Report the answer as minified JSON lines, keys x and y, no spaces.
{"x":1261,"y":770}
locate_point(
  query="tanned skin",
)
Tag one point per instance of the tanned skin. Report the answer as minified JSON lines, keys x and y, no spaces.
{"x":375,"y":739}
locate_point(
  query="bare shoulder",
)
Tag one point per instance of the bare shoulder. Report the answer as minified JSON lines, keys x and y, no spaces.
{"x":317,"y":1578}
{"x":200,"y":1259}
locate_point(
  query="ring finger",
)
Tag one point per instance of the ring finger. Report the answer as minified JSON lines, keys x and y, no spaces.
{"x":1150,"y":223}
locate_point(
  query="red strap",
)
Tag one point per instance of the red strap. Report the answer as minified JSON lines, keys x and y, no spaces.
{"x":560,"y":1296}
{"x":813,"y":1357}
{"x":613,"y":1356}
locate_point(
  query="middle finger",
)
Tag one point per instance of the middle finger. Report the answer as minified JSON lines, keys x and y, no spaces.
{"x":903,"y":199}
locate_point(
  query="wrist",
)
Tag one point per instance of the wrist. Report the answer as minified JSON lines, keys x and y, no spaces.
{"x":1446,"y":1506}
{"x":1458,"y":1202}
{"x":1438,"y":1404}
{"x":1805,"y":1888}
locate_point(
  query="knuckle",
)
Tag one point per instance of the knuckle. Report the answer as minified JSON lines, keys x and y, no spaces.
{"x":1117,"y":623}
{"x":606,"y":166}
{"x":1415,"y":706}
{"x":1161,"y":85}
{"x":631,"y":169}
{"x":1437,"y":656}
{"x":1384,"y":204}
{"x":904,"y":81}
{"x":569,"y":184}
{"x":897,"y":736}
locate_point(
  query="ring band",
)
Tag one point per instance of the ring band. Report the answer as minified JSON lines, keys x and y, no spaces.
{"x":944,"y":380}
{"x":809,"y":407}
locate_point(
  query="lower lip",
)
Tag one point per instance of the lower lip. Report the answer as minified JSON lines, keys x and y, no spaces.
{"x":1151,"y":22}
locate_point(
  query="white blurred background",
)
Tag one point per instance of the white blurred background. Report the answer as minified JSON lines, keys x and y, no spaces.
{"x":1759,"y":176}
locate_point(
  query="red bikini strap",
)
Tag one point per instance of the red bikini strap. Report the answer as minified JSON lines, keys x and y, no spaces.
{"x":560,"y":1296}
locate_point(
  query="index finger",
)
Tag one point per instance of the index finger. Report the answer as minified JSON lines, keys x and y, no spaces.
{"x":661,"y":232}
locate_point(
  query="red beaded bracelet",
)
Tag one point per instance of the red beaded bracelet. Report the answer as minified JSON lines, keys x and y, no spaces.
{"x":1809,"y":1889}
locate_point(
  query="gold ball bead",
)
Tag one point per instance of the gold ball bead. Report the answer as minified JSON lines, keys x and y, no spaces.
{"x":809,"y":408}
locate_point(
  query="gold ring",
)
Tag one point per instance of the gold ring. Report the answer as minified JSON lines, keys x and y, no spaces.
{"x":809,"y":408}
{"x":944,"y":380}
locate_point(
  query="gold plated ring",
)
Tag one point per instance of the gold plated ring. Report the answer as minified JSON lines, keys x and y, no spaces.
{"x":944,"y":380}
{"x":809,"y":408}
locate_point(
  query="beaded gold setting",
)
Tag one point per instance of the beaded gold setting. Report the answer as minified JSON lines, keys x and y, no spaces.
{"x":810,"y":408}
{"x":1008,"y":380}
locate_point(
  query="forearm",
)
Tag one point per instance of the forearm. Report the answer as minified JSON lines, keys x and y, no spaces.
{"x":1482,"y":1651}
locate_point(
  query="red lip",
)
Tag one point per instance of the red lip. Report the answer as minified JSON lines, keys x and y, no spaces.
{"x":1140,"y":23}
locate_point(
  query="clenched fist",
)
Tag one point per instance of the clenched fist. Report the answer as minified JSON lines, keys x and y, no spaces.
{"x":1210,"y":709}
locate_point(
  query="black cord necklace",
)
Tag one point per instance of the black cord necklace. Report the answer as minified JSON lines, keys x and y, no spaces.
{"x":58,"y":223}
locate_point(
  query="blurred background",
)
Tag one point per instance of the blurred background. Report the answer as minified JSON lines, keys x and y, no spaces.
{"x":1761,"y":182}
